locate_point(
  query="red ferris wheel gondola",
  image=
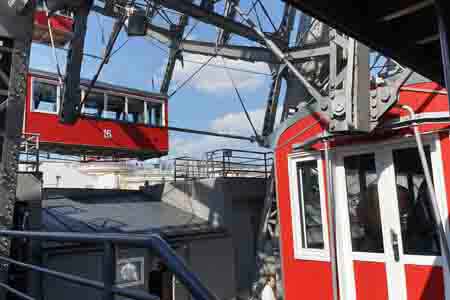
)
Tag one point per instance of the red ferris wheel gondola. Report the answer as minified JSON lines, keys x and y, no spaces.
{"x":115,"y":121}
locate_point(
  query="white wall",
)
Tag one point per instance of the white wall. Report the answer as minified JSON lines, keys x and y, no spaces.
{"x":68,"y":174}
{"x":99,"y":176}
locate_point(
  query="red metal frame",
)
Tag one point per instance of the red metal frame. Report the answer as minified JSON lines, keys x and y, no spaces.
{"x":87,"y":135}
{"x":310,"y":279}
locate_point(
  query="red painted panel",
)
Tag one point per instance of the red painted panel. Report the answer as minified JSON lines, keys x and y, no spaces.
{"x":58,"y":22}
{"x":62,"y":27}
{"x":445,"y":152}
{"x":370,"y":280}
{"x":302,"y":279}
{"x":89,"y":133}
{"x":424,"y":282}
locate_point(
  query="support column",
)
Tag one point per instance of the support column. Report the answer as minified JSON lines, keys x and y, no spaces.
{"x":12,"y":131}
{"x":443,"y":13}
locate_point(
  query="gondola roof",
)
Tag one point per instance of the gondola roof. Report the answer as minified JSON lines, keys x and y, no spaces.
{"x":405,"y":30}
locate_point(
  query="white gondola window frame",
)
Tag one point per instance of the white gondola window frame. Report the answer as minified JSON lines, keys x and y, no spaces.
{"x":301,"y":251}
{"x":58,"y":95}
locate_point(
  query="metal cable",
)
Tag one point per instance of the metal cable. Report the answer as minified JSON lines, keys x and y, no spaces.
{"x":164,"y":15}
{"x":267,"y":14}
{"x":258,"y":20}
{"x":191,"y":30}
{"x":119,"y":48}
{"x":241,"y":100}
{"x":178,"y":88}
{"x":52,"y":41}
{"x":105,"y":59}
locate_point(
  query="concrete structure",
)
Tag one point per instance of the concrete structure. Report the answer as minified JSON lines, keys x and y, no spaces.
{"x":211,"y":223}
{"x":232,"y":203}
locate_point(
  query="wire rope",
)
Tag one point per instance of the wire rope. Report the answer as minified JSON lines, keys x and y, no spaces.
{"x":241,"y":100}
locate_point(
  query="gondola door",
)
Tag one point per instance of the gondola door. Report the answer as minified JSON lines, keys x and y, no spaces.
{"x":387,"y":243}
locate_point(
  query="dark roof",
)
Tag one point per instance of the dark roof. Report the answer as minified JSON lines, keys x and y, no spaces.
{"x":405,"y":30}
{"x":131,"y":212}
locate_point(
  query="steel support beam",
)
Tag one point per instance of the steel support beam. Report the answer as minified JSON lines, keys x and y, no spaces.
{"x":251,"y":54}
{"x":174,"y":53}
{"x":442,"y":11}
{"x":162,"y":35}
{"x":229,"y":12}
{"x":245,"y":53}
{"x":13,"y":126}
{"x":210,"y":17}
{"x":272,"y":102}
{"x":72,"y":93}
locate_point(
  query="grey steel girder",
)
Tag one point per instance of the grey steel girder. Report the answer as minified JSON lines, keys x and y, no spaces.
{"x":272,"y":100}
{"x":245,"y":53}
{"x":71,"y":91}
{"x":210,"y":17}
{"x":251,"y":54}
{"x":13,"y":123}
{"x":223,"y":37}
{"x":174,"y":53}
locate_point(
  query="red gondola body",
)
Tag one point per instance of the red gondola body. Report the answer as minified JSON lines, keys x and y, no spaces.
{"x":125,"y":132}
{"x":387,"y":158}
{"x":62,"y":28}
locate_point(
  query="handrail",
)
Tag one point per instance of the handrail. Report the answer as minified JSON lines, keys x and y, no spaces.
{"x":152,"y":242}
{"x":225,"y":163}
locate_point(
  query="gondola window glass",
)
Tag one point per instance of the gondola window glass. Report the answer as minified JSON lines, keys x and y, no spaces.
{"x":363,"y":203}
{"x":94,"y":105}
{"x":45,"y":97}
{"x":312,"y":236}
{"x":418,"y":227}
{"x":136,"y":111}
{"x":155,"y":114}
{"x":115,"y":108}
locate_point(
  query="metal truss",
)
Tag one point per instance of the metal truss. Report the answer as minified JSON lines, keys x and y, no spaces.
{"x":322,"y":65}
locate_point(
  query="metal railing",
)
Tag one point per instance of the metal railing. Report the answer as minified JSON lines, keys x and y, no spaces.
{"x":152,"y":242}
{"x":29,"y":152}
{"x":225,"y":163}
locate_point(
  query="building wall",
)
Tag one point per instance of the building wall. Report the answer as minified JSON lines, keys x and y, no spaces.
{"x":66,"y":175}
{"x":86,"y":264}
{"x":233,"y":203}
{"x":100,"y":175}
{"x":212,"y":261}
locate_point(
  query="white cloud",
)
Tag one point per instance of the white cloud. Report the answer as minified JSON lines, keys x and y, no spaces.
{"x":231,"y":123}
{"x":237,"y":123}
{"x":212,"y":79}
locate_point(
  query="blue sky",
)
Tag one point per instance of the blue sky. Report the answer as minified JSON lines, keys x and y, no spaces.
{"x":208,"y":102}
